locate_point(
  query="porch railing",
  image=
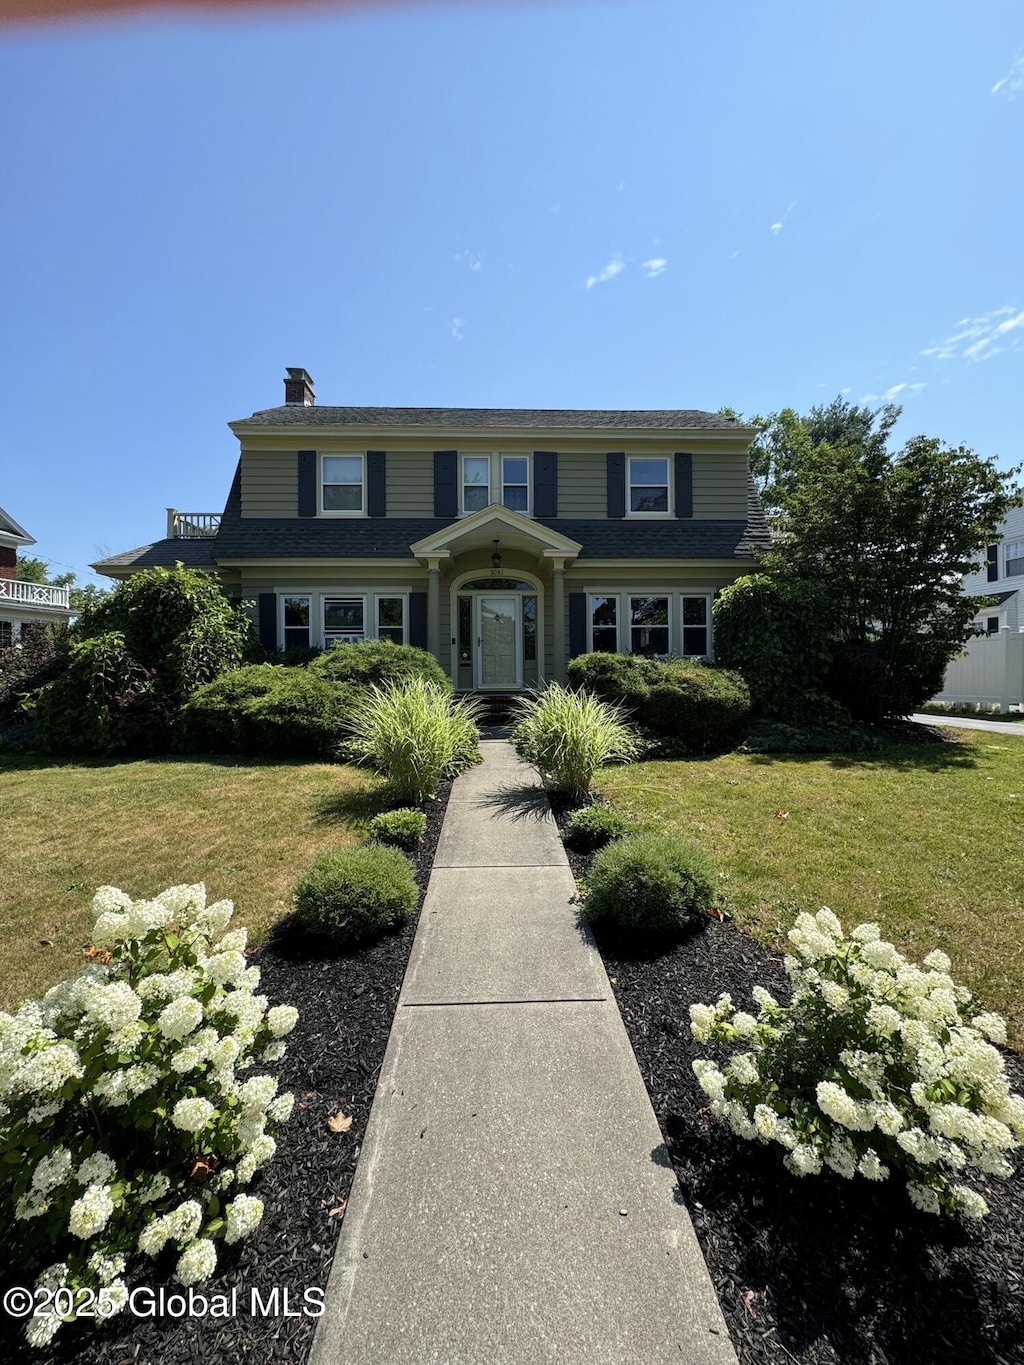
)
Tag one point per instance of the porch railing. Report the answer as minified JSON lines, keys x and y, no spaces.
{"x":33,"y":594}
{"x":191,"y":525}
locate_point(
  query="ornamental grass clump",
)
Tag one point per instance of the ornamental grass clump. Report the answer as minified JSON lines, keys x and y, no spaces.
{"x":415,"y":734}
{"x":125,"y":1124}
{"x":569,"y":735}
{"x":875,"y":1066}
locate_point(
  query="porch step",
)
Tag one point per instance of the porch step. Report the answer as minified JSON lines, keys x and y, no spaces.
{"x":495,"y":708}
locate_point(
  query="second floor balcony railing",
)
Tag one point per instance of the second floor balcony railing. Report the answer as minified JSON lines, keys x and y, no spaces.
{"x":191,"y":525}
{"x":13,"y":590}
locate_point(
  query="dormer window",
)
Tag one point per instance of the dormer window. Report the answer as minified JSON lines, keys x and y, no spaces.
{"x":648,"y":487}
{"x":342,"y":486}
{"x":476,"y":482}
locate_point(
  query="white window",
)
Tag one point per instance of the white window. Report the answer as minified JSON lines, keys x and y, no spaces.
{"x":515,"y":483}
{"x":649,"y":626}
{"x":604,"y":625}
{"x":391,"y":617}
{"x":342,"y":486}
{"x":648,"y":487}
{"x":1014,"y":553}
{"x":344,"y":619}
{"x":476,"y":482}
{"x":295,"y":622}
{"x":696,"y":627}
{"x":7,"y":636}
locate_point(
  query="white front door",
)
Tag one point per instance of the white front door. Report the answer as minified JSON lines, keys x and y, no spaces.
{"x":498,"y":641}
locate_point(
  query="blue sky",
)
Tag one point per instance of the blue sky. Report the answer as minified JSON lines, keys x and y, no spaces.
{"x":631,"y":204}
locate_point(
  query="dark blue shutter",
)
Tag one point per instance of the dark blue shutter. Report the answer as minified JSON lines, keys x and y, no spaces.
{"x":446,"y":483}
{"x":992,"y":562}
{"x":268,"y":620}
{"x":418,"y":619}
{"x":577,"y":624}
{"x":307,"y":483}
{"x":545,"y":483}
{"x":376,"y":483}
{"x":684,"y":485}
{"x":616,"y":485}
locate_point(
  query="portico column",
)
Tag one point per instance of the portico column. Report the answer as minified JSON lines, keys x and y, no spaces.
{"x":558,"y":618}
{"x":434,"y":607}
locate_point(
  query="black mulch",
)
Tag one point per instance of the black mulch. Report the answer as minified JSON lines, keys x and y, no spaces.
{"x":346,"y":1004}
{"x":817,"y":1271}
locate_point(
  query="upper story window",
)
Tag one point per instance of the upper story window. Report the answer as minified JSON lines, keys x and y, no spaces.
{"x":515,"y":483}
{"x":476,"y":482}
{"x":342,"y":492}
{"x":1014,"y":558}
{"x":648,"y":486}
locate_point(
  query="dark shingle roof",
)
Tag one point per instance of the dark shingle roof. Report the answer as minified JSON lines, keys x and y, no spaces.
{"x":468,"y":418}
{"x":195,"y":554}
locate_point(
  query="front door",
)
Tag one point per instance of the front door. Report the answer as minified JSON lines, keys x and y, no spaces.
{"x":498,"y":641}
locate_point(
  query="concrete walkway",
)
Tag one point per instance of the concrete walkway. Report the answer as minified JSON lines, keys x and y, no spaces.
{"x":513,"y":1203}
{"x":997,"y":727}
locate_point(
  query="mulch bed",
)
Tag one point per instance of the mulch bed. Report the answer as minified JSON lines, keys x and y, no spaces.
{"x":819,"y":1271}
{"x":346,"y":1004}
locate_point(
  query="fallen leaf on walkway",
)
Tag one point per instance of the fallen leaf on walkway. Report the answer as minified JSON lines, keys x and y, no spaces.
{"x":340,"y":1122}
{"x":748,"y":1302}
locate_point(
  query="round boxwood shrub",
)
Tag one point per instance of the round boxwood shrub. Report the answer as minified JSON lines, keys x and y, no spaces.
{"x":404,"y":827}
{"x":650,"y":884}
{"x":375,"y":663}
{"x":266,"y":709}
{"x":594,"y":826}
{"x":354,"y":894}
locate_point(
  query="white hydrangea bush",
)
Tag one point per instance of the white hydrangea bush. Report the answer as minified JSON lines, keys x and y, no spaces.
{"x":126,"y":1128}
{"x":875,"y":1066}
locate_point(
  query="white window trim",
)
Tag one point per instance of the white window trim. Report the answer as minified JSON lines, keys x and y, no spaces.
{"x":708,"y":631}
{"x":326,"y":597}
{"x":1017,"y":545}
{"x":617,"y":598}
{"x":310,"y":597}
{"x":402,"y":597}
{"x":668,"y":595}
{"x":359,"y":455}
{"x":529,"y":481}
{"x":669,"y":490}
{"x":463,"y":510}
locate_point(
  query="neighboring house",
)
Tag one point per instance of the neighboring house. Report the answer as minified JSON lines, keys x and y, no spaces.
{"x":991,"y":670}
{"x":505,"y":541}
{"x":22,"y":603}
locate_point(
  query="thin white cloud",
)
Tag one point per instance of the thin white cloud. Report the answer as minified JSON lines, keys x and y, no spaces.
{"x":457,"y":326}
{"x":981,"y":338}
{"x":1012,"y":84}
{"x":614,"y":267}
{"x":654,"y":267}
{"x":776,"y":228}
{"x":891,"y":393}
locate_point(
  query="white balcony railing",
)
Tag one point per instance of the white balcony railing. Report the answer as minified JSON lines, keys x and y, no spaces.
{"x":33,"y":594}
{"x":191,"y":525}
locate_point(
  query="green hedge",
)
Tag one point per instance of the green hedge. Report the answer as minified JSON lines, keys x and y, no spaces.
{"x":649,"y":885}
{"x":700,"y":706}
{"x":375,"y":663}
{"x":267,"y":709}
{"x":354,"y":894}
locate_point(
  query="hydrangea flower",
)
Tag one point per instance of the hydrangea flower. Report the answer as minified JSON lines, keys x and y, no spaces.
{"x":244,"y":1214}
{"x":90,"y":1212}
{"x":197,"y":1262}
{"x":192,"y":1115}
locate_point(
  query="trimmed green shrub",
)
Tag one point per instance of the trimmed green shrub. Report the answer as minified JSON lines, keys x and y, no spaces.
{"x":698,"y":705}
{"x":267,"y":709}
{"x":594,"y":826}
{"x":404,"y":828}
{"x":375,"y":663}
{"x":415,"y":734}
{"x":569,"y":735}
{"x":650,"y":884}
{"x":354,"y":894}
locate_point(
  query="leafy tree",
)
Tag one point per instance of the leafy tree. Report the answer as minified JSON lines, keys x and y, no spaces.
{"x":33,"y":570}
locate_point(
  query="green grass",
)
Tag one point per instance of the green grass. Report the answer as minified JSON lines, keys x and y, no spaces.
{"x":953,"y":711}
{"x":925,"y":840}
{"x":247,"y":828}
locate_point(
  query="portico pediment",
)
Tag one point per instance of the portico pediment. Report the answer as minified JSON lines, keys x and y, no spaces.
{"x":481,"y":529}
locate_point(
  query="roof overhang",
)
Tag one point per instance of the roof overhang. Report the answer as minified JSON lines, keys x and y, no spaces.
{"x":11,"y":533}
{"x":479,"y":531}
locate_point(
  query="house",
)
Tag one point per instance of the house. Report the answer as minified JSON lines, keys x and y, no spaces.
{"x":990,"y":672}
{"x":505,"y":541}
{"x":23,"y":603}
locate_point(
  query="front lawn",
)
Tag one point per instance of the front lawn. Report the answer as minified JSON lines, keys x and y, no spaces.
{"x":925,"y":840}
{"x":245,"y":827}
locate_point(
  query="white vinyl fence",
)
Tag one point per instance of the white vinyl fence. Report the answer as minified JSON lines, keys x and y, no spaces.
{"x":991,"y":673}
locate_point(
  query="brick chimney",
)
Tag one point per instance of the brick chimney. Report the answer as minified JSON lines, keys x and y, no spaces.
{"x":298,"y":389}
